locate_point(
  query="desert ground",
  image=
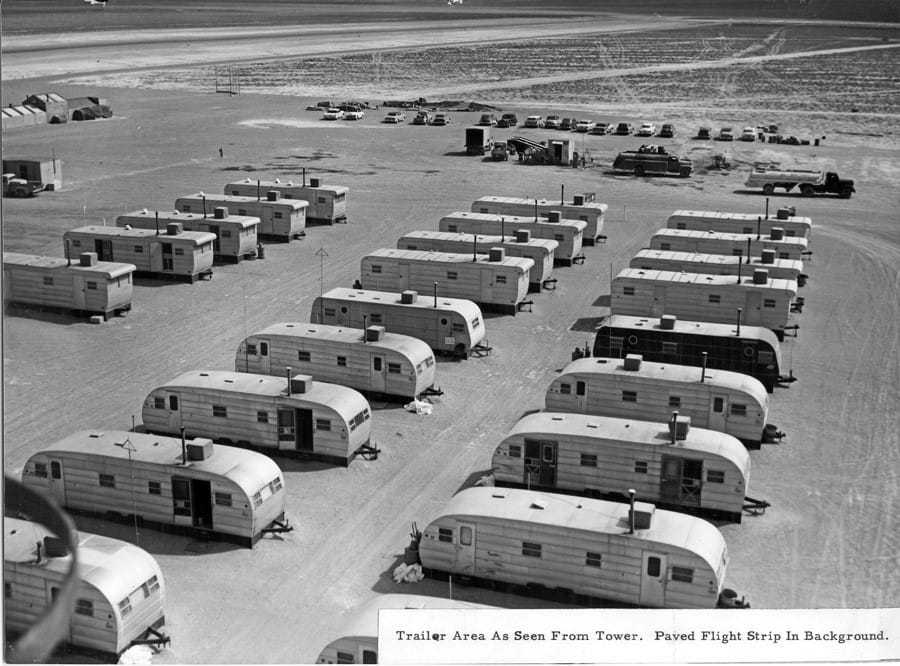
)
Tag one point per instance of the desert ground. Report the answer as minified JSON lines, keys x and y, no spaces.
{"x":830,"y":538}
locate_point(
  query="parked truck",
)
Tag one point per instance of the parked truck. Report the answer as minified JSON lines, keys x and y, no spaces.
{"x":24,"y":178}
{"x":652,"y":160}
{"x":809,"y":181}
{"x":478,"y":140}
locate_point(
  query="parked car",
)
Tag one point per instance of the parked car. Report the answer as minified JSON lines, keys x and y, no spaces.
{"x":748,"y":134}
{"x":584,"y":125}
{"x":703,"y":133}
{"x":567,"y":124}
{"x":332,"y":114}
{"x":350,"y":106}
{"x":534,"y":121}
{"x":667,"y":130}
{"x":422,"y":118}
{"x":552,"y":122}
{"x":500,"y":151}
{"x":646,"y":129}
{"x":354,"y":115}
{"x":440,"y":119}
{"x":394,"y":117}
{"x":508,"y":120}
{"x":623,"y":129}
{"x":602,"y":128}
{"x":488,"y":119}
{"x":725,"y":134}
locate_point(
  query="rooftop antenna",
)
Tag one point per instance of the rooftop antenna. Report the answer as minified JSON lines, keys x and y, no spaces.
{"x":759,"y":221}
{"x":739,"y":312}
{"x":502,"y":225}
{"x":365,"y":325}
{"x":435,"y":293}
{"x":68,"y":258}
{"x":674,"y":427}
{"x":631,"y":493}
{"x":257,"y":189}
{"x":535,"y":210}
{"x":183,"y":448}
{"x":562,"y":195}
{"x":474,"y":247}
{"x":767,"y":208}
{"x":204,"y":205}
{"x":740,"y":263}
{"x":287,"y":371}
{"x":703,"y":371}
{"x":156,"y":217}
{"x":304,"y":176}
{"x":749,"y":240}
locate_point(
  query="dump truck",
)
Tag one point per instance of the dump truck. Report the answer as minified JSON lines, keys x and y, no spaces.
{"x":809,"y":181}
{"x":652,"y":160}
{"x":13,"y":186}
{"x":478,"y":140}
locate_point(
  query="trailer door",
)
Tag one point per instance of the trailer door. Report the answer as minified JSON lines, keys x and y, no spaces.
{"x":156,"y":259}
{"x":104,"y":249}
{"x":653,"y":580}
{"x":174,"y":411}
{"x":214,"y":229}
{"x":580,"y":396}
{"x":753,"y":309}
{"x":465,"y":549}
{"x":303,"y":419}
{"x":717,"y":411}
{"x":658,"y":307}
{"x":264,"y":358}
{"x":78,"y":294}
{"x":680,"y":481}
{"x":286,"y":429}
{"x":201,"y":503}
{"x":378,"y":374}
{"x":57,"y":485}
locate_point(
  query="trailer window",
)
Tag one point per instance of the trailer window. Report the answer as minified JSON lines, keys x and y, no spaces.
{"x":154,"y":487}
{"x":139,"y":249}
{"x":242,"y":211}
{"x":767,"y":303}
{"x":345,"y":658}
{"x":458,"y":328}
{"x":375,"y":318}
{"x":453,"y":227}
{"x":476,"y":323}
{"x":653,"y":566}
{"x":531,"y":549}
{"x":593,"y":559}
{"x":173,"y":403}
{"x":329,"y":312}
{"x":718,"y":404}
{"x":628,"y":291}
{"x":257,"y":499}
{"x":465,"y":535}
{"x":262,"y":417}
{"x":515,"y":451}
{"x":275,"y":484}
{"x":159,"y":403}
{"x":715,"y":298}
{"x":580,"y":388}
{"x":342,"y":361}
{"x":48,"y":280}
{"x":55,"y":469}
{"x":107,"y":481}
{"x":670,"y":348}
{"x":629,"y":396}
{"x":153,"y":583}
{"x":394,"y":368}
{"x":588,"y":460}
{"x":93,"y":285}
{"x":747,"y":230}
{"x":565,"y":389}
{"x":304,"y":356}
{"x":738,"y":410}
{"x":640,"y":467}
{"x":559,"y":237}
{"x":376,"y":268}
{"x":737,"y":252}
{"x":220,"y":411}
{"x":76,"y":243}
{"x":179,"y":250}
{"x":452,"y":275}
{"x":323,"y":424}
{"x":186,"y":207}
{"x":715,"y":476}
{"x":674,"y":401}
{"x":125,"y":606}
{"x":500,"y":279}
{"x":321,"y":200}
{"x":226,"y":233}
{"x":7,"y":589}
{"x":680,"y":225}
{"x":784,"y":255}
{"x":370,"y":657}
{"x":223,"y":499}
{"x":84,"y":607}
{"x":683,"y":574}
{"x":429,"y":361}
{"x":445,"y":534}
{"x":40,"y":470}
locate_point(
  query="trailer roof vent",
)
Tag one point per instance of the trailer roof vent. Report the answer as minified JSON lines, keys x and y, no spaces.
{"x":642,"y":514}
{"x":88,"y":258}
{"x":314,"y":182}
{"x":667,"y":322}
{"x":633,"y":362}
{"x":55,"y":547}
{"x":680,"y":427}
{"x":578,"y":200}
{"x":374,"y":333}
{"x":786,"y":212}
{"x":409,"y":296}
{"x":760,"y":276}
{"x":523,"y":236}
{"x":535,"y":504}
{"x":301,"y":383}
{"x":777,"y":233}
{"x":220,"y":213}
{"x":768,"y":256}
{"x":497,"y":254}
{"x":273,"y":195}
{"x":199,"y":449}
{"x":553,"y":216}
{"x":173,"y":228}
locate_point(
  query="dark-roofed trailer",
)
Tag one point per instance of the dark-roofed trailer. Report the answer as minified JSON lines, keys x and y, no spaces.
{"x":582,"y":207}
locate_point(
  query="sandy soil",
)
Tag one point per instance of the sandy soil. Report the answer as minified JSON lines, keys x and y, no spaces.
{"x":830,"y":538}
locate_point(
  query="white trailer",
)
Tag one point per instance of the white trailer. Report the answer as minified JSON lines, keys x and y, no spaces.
{"x":762,"y":301}
{"x":586,"y":550}
{"x":448,"y":325}
{"x":174,"y":254}
{"x":720,"y":400}
{"x":673,"y":465}
{"x":327,"y":204}
{"x":720,"y":264}
{"x":569,"y":234}
{"x":236,"y":235}
{"x":120,"y":594}
{"x":279,"y":219}
{"x":582,"y":207}
{"x":741,"y":223}
{"x":494,"y":281}
{"x":295,"y":417}
{"x":540,"y":250}
{"x":89,"y":286}
{"x":370,"y":360}
{"x":718,"y":242}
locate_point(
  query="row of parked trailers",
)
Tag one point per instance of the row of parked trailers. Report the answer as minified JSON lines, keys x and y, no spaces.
{"x":673,"y":431}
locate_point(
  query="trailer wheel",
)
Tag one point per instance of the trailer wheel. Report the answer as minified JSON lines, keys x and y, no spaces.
{"x":639,"y":171}
{"x":807,"y":190}
{"x":845,"y":193}
{"x":768,"y":189}
{"x":18,"y":193}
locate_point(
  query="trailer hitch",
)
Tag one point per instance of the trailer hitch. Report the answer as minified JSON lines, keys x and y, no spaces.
{"x":787,"y":380}
{"x":431,"y":391}
{"x":159,"y":640}
{"x":280,"y":527}
{"x":801,"y":279}
{"x":772,"y":435}
{"x":521,"y":306}
{"x":755,"y":507}
{"x":578,"y":259}
{"x":793,"y":327}
{"x":482,"y":349}
{"x":600,"y":238}
{"x":549,"y":283}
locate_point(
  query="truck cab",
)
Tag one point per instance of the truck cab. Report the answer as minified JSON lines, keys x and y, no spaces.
{"x":841,"y":186}
{"x":13,"y":186}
